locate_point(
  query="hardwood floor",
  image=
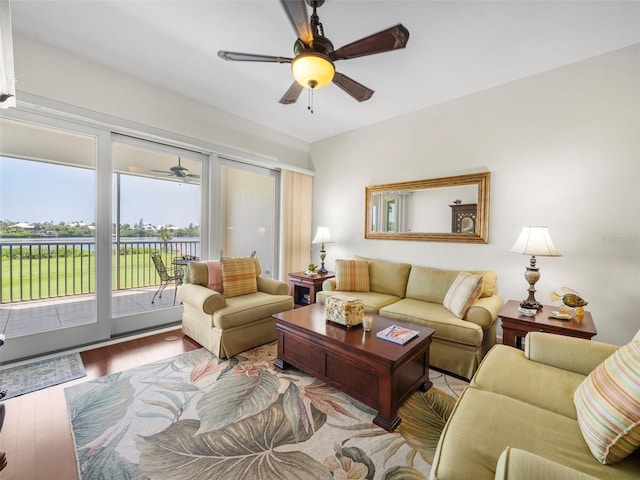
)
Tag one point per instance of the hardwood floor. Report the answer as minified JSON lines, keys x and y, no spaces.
{"x":36,"y":435}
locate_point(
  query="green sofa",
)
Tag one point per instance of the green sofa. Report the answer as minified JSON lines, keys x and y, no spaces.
{"x":517,"y":419}
{"x":227,"y":325}
{"x":415,"y":294}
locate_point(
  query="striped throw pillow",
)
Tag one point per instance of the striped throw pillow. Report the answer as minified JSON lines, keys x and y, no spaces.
{"x":608,"y":405}
{"x":352,"y":276}
{"x":462,"y":293}
{"x":238,"y":276}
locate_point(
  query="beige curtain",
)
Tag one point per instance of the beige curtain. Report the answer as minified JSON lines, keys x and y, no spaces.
{"x":295,"y":250}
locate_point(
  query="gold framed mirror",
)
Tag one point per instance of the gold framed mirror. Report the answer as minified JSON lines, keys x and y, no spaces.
{"x":446,"y":209}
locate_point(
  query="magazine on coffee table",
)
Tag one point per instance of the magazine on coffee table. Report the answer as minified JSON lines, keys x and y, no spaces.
{"x":397,"y":334}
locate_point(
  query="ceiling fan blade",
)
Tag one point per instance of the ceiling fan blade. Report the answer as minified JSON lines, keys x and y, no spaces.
{"x":138,"y":170}
{"x":353,"y":88}
{"x":384,"y":41}
{"x":291,"y":96}
{"x":296,"y":10}
{"x":252,"y":57}
{"x":162,"y":171}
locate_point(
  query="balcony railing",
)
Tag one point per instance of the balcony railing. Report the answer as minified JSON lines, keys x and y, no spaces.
{"x":34,"y":270}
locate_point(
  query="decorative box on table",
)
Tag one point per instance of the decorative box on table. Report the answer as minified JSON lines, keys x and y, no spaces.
{"x":345,"y":310}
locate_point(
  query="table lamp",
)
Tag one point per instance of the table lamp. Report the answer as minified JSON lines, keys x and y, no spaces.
{"x":323,"y":235}
{"x":534,"y":241}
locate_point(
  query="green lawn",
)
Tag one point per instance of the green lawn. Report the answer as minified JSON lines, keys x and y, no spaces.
{"x":52,"y":277}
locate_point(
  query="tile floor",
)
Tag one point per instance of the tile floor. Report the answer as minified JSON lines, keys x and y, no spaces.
{"x":22,"y":318}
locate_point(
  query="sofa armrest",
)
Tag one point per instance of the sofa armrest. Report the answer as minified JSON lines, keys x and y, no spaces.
{"x":515,"y":464}
{"x":201,"y":297}
{"x":272,"y":286}
{"x":485,"y":311}
{"x":568,"y":353}
{"x":329,"y":284}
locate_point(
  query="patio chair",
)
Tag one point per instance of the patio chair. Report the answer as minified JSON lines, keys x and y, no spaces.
{"x":165,"y":277}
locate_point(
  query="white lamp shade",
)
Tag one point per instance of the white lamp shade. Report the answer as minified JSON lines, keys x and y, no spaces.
{"x":313,"y":70}
{"x":323,"y":235}
{"x":535,"y":241}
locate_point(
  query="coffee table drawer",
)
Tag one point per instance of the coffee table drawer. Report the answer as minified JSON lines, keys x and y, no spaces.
{"x":307,"y":356}
{"x":353,"y":379}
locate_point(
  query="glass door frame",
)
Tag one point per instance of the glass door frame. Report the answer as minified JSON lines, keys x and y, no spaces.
{"x":36,"y":344}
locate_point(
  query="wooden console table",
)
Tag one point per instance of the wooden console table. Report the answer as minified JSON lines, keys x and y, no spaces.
{"x":303,"y":288}
{"x":515,"y":326}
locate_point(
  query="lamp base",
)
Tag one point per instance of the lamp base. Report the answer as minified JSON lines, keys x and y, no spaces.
{"x":323,"y":255}
{"x":531,"y":275}
{"x":528,"y":304}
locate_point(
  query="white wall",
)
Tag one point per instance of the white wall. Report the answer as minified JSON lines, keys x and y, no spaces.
{"x":563,"y":149}
{"x":54,"y":74}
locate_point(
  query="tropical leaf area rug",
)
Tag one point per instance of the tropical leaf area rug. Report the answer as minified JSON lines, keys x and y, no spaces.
{"x":195,"y":416}
{"x":30,"y":377}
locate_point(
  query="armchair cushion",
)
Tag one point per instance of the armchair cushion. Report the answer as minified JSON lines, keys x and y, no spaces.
{"x":239,"y":276}
{"x":574,"y":354}
{"x":352,"y":275}
{"x":198,"y":274}
{"x":516,"y":464}
{"x":464,"y":291}
{"x":208,"y":274}
{"x":608,"y":405}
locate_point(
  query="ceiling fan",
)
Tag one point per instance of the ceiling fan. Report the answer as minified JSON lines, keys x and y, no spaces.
{"x":312,"y":65}
{"x":179,"y":172}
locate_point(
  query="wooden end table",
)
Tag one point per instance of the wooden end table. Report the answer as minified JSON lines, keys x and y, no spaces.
{"x":515,"y":326}
{"x":379,"y":373}
{"x":303,"y":288}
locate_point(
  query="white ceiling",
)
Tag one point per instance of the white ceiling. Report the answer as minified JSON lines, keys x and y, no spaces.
{"x":455,"y":48}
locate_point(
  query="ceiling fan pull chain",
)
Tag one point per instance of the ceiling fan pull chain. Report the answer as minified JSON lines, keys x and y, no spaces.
{"x":310,"y":102}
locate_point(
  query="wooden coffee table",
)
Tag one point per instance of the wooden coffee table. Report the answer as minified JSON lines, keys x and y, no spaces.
{"x":379,"y":373}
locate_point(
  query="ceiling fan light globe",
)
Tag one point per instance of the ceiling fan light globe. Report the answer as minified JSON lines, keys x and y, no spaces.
{"x":313,"y":70}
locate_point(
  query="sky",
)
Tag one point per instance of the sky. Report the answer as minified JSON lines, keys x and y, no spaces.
{"x":33,"y":191}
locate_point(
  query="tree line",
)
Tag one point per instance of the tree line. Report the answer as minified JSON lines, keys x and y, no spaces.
{"x":9,"y":229}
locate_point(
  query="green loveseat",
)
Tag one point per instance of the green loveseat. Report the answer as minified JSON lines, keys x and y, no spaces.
{"x":226,"y":325}
{"x":415,"y":294}
{"x":517,"y":419}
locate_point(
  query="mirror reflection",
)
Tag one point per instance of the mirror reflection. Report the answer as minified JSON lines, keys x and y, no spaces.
{"x":450,"y":209}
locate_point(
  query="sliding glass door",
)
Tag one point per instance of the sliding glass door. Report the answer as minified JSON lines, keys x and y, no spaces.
{"x":249,"y":216}
{"x":156,"y":229}
{"x":49,"y":280}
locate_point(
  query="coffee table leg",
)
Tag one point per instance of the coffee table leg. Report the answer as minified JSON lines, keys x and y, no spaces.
{"x":388,"y":424}
{"x":281,"y":364}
